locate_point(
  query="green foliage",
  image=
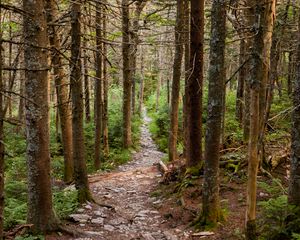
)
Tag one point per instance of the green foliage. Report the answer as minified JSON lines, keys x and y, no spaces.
{"x":15,"y":210}
{"x":65,"y":202}
{"x":279,"y":219}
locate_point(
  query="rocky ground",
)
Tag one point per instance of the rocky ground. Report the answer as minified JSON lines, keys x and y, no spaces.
{"x":132,"y":211}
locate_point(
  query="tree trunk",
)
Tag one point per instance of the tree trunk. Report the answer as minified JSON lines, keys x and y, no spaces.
{"x":179,"y":36}
{"x":105,"y":89}
{"x":127,"y":75}
{"x":98,"y":88}
{"x":141,"y":94}
{"x":294,"y":185}
{"x":186,"y":75}
{"x":195,"y":85}
{"x":1,"y":139}
{"x":241,"y":82}
{"x":290,"y":74}
{"x":62,"y":89}
{"x":81,"y":180}
{"x":263,"y":12}
{"x":211,"y":211}
{"x":87,"y":106}
{"x":40,"y":211}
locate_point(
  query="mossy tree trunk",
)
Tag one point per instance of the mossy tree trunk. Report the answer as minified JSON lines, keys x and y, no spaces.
{"x":81,"y":180}
{"x":40,"y":210}
{"x":127,"y":75}
{"x":179,"y":36}
{"x":211,"y":212}
{"x":1,"y":140}
{"x":98,"y":87}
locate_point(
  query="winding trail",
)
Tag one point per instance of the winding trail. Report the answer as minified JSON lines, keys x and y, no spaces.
{"x":128,"y":190}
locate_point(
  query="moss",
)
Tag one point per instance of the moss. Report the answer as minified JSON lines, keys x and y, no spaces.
{"x":251,"y":230}
{"x":85,"y":195}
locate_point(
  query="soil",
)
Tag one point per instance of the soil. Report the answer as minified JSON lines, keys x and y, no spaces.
{"x":139,"y":207}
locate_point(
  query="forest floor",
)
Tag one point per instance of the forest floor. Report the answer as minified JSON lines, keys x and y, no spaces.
{"x":139,"y":207}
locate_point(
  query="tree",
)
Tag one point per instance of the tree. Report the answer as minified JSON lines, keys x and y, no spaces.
{"x":194,"y":88}
{"x":261,"y":12}
{"x":80,"y":170}
{"x":105,"y":88}
{"x":1,"y":140}
{"x":98,"y":87}
{"x":40,"y":211}
{"x":179,"y":36}
{"x":211,"y":212}
{"x":294,"y":184}
{"x":127,"y":75}
{"x":62,"y":89}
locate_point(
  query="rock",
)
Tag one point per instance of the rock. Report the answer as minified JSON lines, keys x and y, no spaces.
{"x":203,"y":234}
{"x":98,"y":221}
{"x":81,"y":218}
{"x":81,"y":224}
{"x":131,"y":192}
{"x":89,"y":207}
{"x":94,"y":233}
{"x":147,"y":236}
{"x":100,"y":213}
{"x":80,"y":210}
{"x":108,"y":196}
{"x":109,"y":228}
{"x":117,"y":221}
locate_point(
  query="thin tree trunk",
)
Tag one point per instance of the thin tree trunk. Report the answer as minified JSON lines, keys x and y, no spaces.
{"x":141,"y":100}
{"x":40,"y":210}
{"x":62,"y":90}
{"x":211,"y":211}
{"x":105,"y":89}
{"x":87,"y":106}
{"x":241,"y":82}
{"x":290,"y":74}
{"x":98,"y":88}
{"x":1,"y":140}
{"x":81,"y":180}
{"x":186,"y":75}
{"x":294,"y":185}
{"x":194,"y":103}
{"x":127,"y":75}
{"x":179,"y":36}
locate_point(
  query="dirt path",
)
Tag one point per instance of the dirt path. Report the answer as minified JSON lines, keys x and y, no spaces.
{"x":128,"y":190}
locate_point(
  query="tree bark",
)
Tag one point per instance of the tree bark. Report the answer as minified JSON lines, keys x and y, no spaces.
{"x":294,"y":184}
{"x":241,"y":82}
{"x":62,"y":89}
{"x":179,"y":36}
{"x":211,"y":211}
{"x":127,"y":75}
{"x":1,"y":140}
{"x":40,"y":211}
{"x":186,"y":75}
{"x":98,"y":88}
{"x":195,"y":85}
{"x":105,"y":88}
{"x":81,"y":180}
{"x":263,"y":20}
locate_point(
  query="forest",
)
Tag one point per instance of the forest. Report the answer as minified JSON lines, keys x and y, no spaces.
{"x":150,"y":119}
